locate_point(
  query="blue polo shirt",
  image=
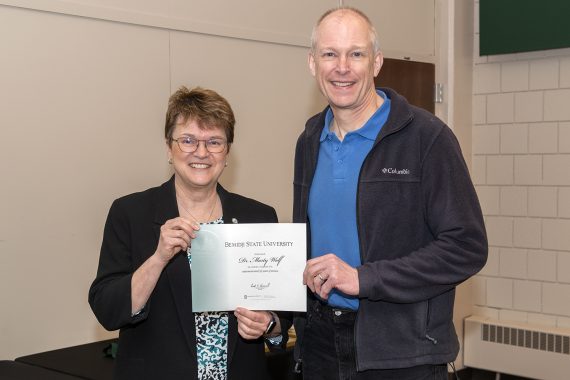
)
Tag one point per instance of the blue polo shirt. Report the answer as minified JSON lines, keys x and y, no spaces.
{"x":332,"y":198}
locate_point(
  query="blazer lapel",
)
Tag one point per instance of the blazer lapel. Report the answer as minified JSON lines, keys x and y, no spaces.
{"x":178,"y":270}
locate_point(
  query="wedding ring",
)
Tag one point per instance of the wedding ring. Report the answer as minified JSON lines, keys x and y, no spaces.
{"x":321,"y":278}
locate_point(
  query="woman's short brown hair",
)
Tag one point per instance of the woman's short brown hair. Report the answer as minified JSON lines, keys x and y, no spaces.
{"x":207,"y":107}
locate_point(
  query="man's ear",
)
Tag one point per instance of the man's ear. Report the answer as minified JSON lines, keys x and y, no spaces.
{"x":312,"y":63}
{"x":378,"y":62}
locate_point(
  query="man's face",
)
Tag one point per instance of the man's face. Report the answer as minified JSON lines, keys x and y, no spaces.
{"x":344,"y":63}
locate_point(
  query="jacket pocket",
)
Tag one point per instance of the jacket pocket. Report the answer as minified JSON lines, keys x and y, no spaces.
{"x":394,"y":331}
{"x":439,"y":318}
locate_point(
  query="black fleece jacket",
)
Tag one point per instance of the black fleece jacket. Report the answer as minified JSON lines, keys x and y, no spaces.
{"x":421,"y":233}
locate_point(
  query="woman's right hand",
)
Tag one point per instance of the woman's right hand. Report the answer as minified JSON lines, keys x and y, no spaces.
{"x":175,"y":236}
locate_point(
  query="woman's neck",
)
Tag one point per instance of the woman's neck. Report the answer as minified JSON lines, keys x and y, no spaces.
{"x":199,"y":204}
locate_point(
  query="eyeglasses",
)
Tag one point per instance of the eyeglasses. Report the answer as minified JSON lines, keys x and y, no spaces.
{"x":189,"y":144}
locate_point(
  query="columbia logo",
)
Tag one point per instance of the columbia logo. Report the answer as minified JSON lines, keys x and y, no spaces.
{"x":395,"y":171}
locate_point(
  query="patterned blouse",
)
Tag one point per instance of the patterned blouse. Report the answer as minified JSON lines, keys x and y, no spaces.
{"x":211,"y":339}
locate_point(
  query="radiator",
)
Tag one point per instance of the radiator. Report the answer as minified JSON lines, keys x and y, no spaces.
{"x":520,"y":349}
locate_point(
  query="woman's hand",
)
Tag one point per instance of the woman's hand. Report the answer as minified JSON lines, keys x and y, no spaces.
{"x":175,"y":236}
{"x":252,"y":324}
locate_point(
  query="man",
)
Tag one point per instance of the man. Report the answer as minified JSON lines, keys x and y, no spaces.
{"x":394,"y":221}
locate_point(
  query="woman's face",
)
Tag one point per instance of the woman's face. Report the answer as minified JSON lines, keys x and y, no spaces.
{"x":201,"y":168}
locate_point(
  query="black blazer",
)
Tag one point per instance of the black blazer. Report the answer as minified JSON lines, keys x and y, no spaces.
{"x":160,"y":342}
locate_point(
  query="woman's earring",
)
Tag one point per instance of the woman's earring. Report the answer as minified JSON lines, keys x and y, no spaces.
{"x":170,"y":161}
{"x":226,"y":164}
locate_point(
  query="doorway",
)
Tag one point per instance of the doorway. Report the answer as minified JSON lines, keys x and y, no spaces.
{"x":413,"y":80}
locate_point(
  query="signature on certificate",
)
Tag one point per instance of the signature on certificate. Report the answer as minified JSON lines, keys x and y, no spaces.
{"x":261,"y":285}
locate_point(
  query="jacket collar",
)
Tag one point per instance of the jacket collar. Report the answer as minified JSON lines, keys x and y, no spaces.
{"x":400,"y":116}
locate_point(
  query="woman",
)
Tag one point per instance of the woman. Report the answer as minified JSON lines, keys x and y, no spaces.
{"x":143,"y":284}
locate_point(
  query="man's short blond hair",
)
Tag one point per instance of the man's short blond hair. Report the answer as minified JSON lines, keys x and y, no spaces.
{"x":372,"y":30}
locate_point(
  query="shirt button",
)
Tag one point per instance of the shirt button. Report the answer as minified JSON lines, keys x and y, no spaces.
{"x":340,"y":161}
{"x":336,"y":148}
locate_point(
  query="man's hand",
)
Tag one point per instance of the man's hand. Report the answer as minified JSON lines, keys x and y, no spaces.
{"x":328,"y":272}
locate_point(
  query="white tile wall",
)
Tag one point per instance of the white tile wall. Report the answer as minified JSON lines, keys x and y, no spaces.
{"x":479,"y":287}
{"x":556,"y":105}
{"x":542,"y":201}
{"x":564,"y":202}
{"x":512,"y":315}
{"x":527,"y":171}
{"x":542,"y":319}
{"x":565,"y":72}
{"x":499,"y":231}
{"x":487,"y":79}
{"x":564,"y":267}
{"x":544,"y":74}
{"x":527,"y":232}
{"x":564,"y":137}
{"x":556,"y":299}
{"x":543,"y":138}
{"x":529,"y":106}
{"x":486,"y":139}
{"x":488,"y":312}
{"x":513,"y":201}
{"x":514,"y":138}
{"x":500,"y":292}
{"x":521,"y":165}
{"x":557,"y":169}
{"x":500,"y":170}
{"x":500,"y":108}
{"x":513,"y":263}
{"x":514,"y":76}
{"x":479,"y":109}
{"x":527,"y":295}
{"x":556,"y":234}
{"x":491,"y":268}
{"x":541,"y":265}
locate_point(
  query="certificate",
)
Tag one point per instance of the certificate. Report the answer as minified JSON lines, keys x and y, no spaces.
{"x":256,"y":266}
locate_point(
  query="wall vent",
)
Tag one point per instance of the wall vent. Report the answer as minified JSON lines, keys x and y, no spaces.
{"x":533,"y":339}
{"x":517,"y":348}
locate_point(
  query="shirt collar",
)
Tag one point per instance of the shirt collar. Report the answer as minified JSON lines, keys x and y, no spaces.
{"x":370,"y":129}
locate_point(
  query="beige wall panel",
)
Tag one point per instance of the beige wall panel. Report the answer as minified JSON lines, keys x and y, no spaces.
{"x":153,"y":7}
{"x":286,"y":22}
{"x":272,"y":93}
{"x":81,"y":115}
{"x":406,"y":27}
{"x":292,"y":19}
